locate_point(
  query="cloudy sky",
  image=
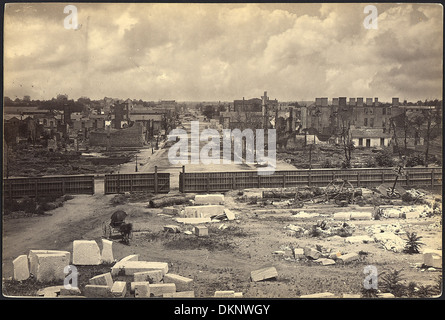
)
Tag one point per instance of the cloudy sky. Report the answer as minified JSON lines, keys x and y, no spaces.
{"x":223,"y":52}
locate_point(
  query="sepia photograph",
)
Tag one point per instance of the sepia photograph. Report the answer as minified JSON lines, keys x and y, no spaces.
{"x":236,"y":152}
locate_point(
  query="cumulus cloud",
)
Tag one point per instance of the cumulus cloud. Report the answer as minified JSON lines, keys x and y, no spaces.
{"x":224,"y":51}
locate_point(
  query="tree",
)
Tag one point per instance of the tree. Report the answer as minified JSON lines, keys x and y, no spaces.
{"x":433,"y":118}
{"x":346,"y":142}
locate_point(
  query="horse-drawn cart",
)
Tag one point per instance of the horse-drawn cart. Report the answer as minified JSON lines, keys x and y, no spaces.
{"x":118,"y":226}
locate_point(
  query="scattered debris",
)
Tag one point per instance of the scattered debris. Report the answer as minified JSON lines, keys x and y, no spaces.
{"x":264,"y":274}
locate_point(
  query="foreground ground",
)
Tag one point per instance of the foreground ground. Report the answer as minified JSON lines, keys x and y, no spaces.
{"x":224,"y":259}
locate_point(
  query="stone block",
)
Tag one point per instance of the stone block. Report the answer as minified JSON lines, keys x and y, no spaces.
{"x":97,"y":291}
{"x":86,"y":252}
{"x":299,"y":253}
{"x":325,"y":261}
{"x":107,"y":251}
{"x":312,"y":253}
{"x":263,"y":274}
{"x":385,"y":295}
{"x":359,"y":239}
{"x":142,"y":290}
{"x":181,"y":294}
{"x":50,"y":267}
{"x":134,"y":283}
{"x":172,"y":228}
{"x":102,"y":280}
{"x":318,"y":295}
{"x":351,"y":296}
{"x":69,"y":292}
{"x":131,"y":267}
{"x":51,"y":291}
{"x":361,"y":215}
{"x":201,"y":231}
{"x":152,"y":276}
{"x":182,"y":283}
{"x":349,"y":257}
{"x":229,"y":214}
{"x":238,"y":295}
{"x":171,"y":211}
{"x":209,"y":199}
{"x":119,"y":289}
{"x":203,"y":211}
{"x":21,"y":268}
{"x":193,"y":220}
{"x":159,"y":289}
{"x":342,"y":216}
{"x":225,"y":294}
{"x":33,"y":258}
{"x":432,"y":258}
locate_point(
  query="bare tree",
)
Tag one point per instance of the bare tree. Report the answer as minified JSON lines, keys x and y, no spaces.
{"x":346,"y":141}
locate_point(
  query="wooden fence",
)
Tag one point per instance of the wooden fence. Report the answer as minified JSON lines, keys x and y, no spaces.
{"x":47,"y":186}
{"x":224,"y":181}
{"x":133,"y":182}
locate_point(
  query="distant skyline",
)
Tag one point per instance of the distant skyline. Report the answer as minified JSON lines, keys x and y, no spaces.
{"x":222,"y":52}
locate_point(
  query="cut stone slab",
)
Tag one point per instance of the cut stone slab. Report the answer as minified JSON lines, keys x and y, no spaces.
{"x":361,"y":215}
{"x":299,"y":253}
{"x":325,"y":261}
{"x":33,"y":258}
{"x":229,"y":214}
{"x":359,"y":239}
{"x":351,"y":296}
{"x":201,"y":231}
{"x":152,"y":276}
{"x":97,"y":291}
{"x":225,"y":294}
{"x":107,"y":251}
{"x":119,"y":289}
{"x":349,"y":257}
{"x":159,"y":289}
{"x":182,"y":283}
{"x":172,"y":228}
{"x":193,"y":220}
{"x":131,"y":267}
{"x":319,"y":295}
{"x":50,"y":267}
{"x":342,"y":216}
{"x":207,"y":211}
{"x":86,"y":252}
{"x":238,"y":295}
{"x":312,"y":253}
{"x":385,"y":295}
{"x":134,"y":283}
{"x":131,"y":257}
{"x":171,"y":211}
{"x":49,"y":291}
{"x":142,"y":290}
{"x":102,"y":279}
{"x":203,"y":199}
{"x":21,"y":268}
{"x":69,"y":292}
{"x":432,"y":258}
{"x":181,"y":294}
{"x":264,"y":274}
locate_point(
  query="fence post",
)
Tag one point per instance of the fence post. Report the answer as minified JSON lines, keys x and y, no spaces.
{"x":233,"y":182}
{"x":63,"y":186}
{"x":156,"y":179}
{"x":181,"y":179}
{"x":432,"y":178}
{"x":207,"y":183}
{"x":358,"y":179}
{"x":309,"y":178}
{"x":35,"y":189}
{"x":383,"y":176}
{"x":259,"y":181}
{"x":284,"y":181}
{"x":10,"y":189}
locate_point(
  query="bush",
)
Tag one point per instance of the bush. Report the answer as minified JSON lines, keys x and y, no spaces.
{"x":384,"y":159}
{"x":413,"y":243}
{"x":415,"y":160}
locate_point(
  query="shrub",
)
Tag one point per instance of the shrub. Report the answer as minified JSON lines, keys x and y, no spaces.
{"x":412,"y":244}
{"x":391,"y":282}
{"x":415,"y":160}
{"x":384,"y":159}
